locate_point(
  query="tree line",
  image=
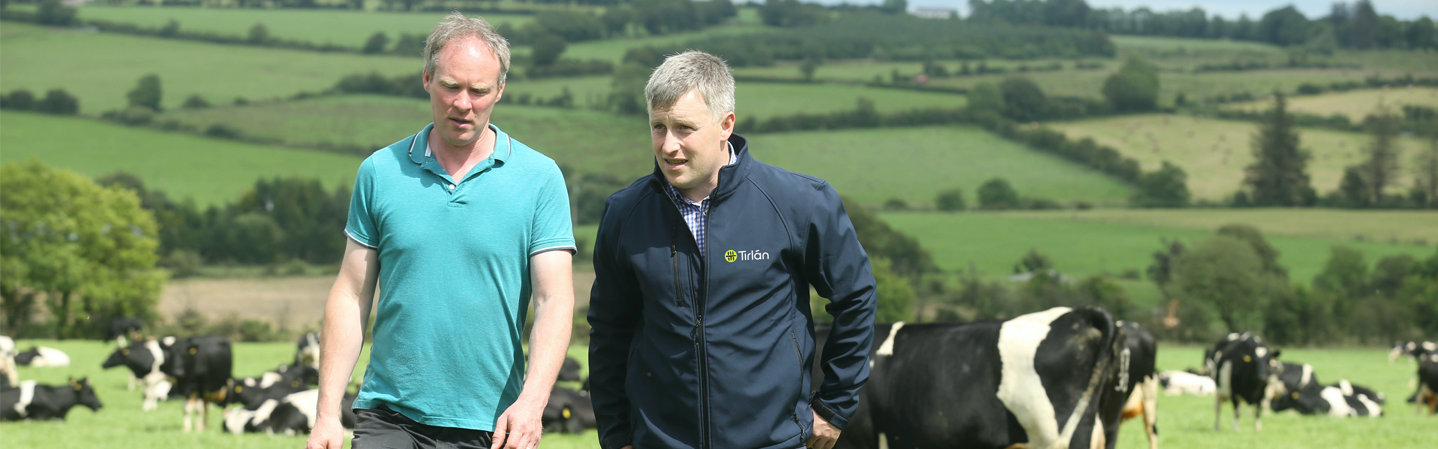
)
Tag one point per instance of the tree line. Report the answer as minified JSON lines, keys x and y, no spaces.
{"x":1355,"y":25}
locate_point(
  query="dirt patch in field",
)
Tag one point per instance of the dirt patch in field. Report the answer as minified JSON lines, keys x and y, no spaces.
{"x":289,"y":302}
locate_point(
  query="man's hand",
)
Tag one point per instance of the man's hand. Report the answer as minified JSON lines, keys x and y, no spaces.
{"x":519,"y":427}
{"x":825,"y":434}
{"x":327,"y":434}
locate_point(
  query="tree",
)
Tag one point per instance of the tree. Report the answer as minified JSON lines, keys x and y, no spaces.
{"x":1023,"y":99}
{"x":1224,"y":274}
{"x":626,"y":88}
{"x":376,"y":43}
{"x":258,"y":34}
{"x":997,"y":193}
{"x":1134,"y":87}
{"x":53,"y":12}
{"x":1425,"y":169}
{"x":1033,"y":261}
{"x":1165,"y":187}
{"x":895,"y":297}
{"x":146,"y":93}
{"x":18,"y":99}
{"x":951,"y":200}
{"x":1344,"y":274}
{"x":986,"y":97}
{"x":1381,"y":168}
{"x":807,"y":69}
{"x":58,"y":102}
{"x":894,"y":6}
{"x":88,"y":249}
{"x":1362,"y":32}
{"x":1284,"y":26}
{"x":1278,"y":175}
{"x":908,"y":259}
{"x":547,"y":48}
{"x":1161,"y":272}
{"x":195,"y":102}
{"x":1266,"y":252}
{"x":1353,"y":190}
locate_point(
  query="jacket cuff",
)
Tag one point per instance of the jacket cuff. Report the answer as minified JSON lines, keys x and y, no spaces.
{"x":827,"y":413}
{"x":617,"y":441}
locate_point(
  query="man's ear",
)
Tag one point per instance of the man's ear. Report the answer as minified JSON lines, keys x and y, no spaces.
{"x":726,"y":126}
{"x":424,"y":78}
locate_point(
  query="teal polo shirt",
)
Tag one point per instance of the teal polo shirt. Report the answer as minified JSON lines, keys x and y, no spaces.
{"x":453,"y":275}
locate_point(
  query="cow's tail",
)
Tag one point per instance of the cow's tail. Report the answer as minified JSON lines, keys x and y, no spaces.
{"x":1104,"y":322}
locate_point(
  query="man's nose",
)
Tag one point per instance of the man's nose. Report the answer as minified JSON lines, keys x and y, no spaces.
{"x":462,"y":101}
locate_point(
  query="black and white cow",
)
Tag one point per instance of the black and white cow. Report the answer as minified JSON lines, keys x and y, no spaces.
{"x":307,"y":350}
{"x":122,"y":330}
{"x":202,"y":369}
{"x":569,"y":371}
{"x":146,"y":361}
{"x":41,"y":356}
{"x":568,"y":411}
{"x":1413,"y":350}
{"x":9,"y":376}
{"x":1134,"y":386}
{"x":33,"y":401}
{"x":1427,"y":396}
{"x":1340,"y":400}
{"x":285,"y":380}
{"x":289,"y":415}
{"x":1177,"y":383}
{"x":1032,"y":381}
{"x":1245,"y":370}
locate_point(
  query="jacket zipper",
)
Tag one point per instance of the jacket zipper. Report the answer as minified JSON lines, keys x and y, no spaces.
{"x":803,"y":432}
{"x":701,"y":299}
{"x":674,"y":260}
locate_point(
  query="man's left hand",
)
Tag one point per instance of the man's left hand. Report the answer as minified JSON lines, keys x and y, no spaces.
{"x":825,"y":434}
{"x":520,"y":426}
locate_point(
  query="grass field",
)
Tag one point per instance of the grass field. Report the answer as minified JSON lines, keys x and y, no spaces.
{"x":915,"y":164}
{"x":100,"y":68}
{"x":1184,"y":421}
{"x":1388,"y":226}
{"x":1214,"y":152}
{"x":210,"y":171}
{"x":994,"y":242}
{"x":341,"y":27}
{"x":1355,"y":104}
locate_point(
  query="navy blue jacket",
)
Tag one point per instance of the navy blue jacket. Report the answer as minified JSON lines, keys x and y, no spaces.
{"x":714,"y":352}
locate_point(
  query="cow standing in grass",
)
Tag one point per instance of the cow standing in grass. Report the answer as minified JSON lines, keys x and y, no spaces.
{"x":1428,"y":384}
{"x":146,"y":361}
{"x":1134,"y":386}
{"x":1245,"y":370}
{"x":201,"y":367}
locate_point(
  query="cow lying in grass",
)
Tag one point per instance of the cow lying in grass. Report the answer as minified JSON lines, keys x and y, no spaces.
{"x":31,"y":400}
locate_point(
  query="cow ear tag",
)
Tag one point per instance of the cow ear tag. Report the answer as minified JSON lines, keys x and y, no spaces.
{"x":124,"y":352}
{"x":79,"y":387}
{"x":566,"y":413}
{"x":239,"y":388}
{"x":192,"y":351}
{"x":1295,"y":395}
{"x":1245,"y":358}
{"x":295,"y":384}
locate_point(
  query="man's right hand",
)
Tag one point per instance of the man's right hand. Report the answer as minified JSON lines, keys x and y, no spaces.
{"x":327,"y":434}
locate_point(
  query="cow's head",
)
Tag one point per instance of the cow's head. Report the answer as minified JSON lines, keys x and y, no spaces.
{"x":137,"y":357}
{"x":85,"y":394}
{"x":1307,"y":400}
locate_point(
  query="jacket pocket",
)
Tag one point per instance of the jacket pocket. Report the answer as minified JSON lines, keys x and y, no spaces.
{"x":678,"y":286}
{"x":803,"y":395}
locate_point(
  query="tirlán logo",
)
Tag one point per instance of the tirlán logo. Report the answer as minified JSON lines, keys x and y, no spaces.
{"x":734,"y":256}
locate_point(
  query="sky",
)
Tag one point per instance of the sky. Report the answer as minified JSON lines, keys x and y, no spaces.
{"x":1402,"y":9}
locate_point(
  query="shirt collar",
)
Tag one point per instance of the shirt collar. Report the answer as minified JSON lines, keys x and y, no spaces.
{"x":503,"y":146}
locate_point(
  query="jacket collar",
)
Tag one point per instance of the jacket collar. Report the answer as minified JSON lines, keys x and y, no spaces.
{"x":730,"y":176}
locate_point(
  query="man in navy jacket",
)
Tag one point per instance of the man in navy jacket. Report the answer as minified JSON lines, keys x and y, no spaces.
{"x":702,"y":331}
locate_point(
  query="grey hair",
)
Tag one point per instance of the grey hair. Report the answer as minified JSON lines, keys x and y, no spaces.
{"x":457,"y":26}
{"x":688,"y":71}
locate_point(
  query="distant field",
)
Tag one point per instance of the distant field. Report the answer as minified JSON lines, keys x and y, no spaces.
{"x":865,"y":70}
{"x":1405,"y":227}
{"x":1355,"y":104}
{"x":915,"y":164}
{"x":613,"y":49}
{"x":101,"y":68}
{"x":336,"y":26}
{"x":210,"y":171}
{"x":1215,"y":152}
{"x":994,"y":242}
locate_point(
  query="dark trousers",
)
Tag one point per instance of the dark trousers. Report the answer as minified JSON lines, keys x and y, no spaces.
{"x":382,"y":428}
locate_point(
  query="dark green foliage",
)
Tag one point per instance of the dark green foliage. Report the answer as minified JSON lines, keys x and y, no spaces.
{"x":1344,"y":274}
{"x":1353,"y":191}
{"x":571,"y":26}
{"x":1267,"y":254}
{"x":1161,"y":272}
{"x":19,"y":100}
{"x":807,"y":69}
{"x":258,"y":34}
{"x":546,"y":49}
{"x":998,"y":194}
{"x":1425,"y":170}
{"x":1023,"y":99}
{"x":375,"y":44}
{"x":52,"y":12}
{"x":894,"y":295}
{"x":146,"y":93}
{"x":1166,"y":187}
{"x":1284,"y":26}
{"x":569,"y":68}
{"x":588,"y":192}
{"x":1278,"y":175}
{"x":908,"y":259}
{"x":58,"y":102}
{"x":409,"y":44}
{"x":1224,"y":275}
{"x":1381,"y":169}
{"x":896,"y":204}
{"x":950,"y":200}
{"x":170,"y":29}
{"x":1134,"y":87}
{"x":195,"y":102}
{"x":1298,"y":316}
{"x":986,"y":97}
{"x":1033,"y":261}
{"x":626,"y":89}
{"x":792,"y":13}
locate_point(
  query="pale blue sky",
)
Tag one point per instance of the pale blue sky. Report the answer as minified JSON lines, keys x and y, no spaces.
{"x":1230,"y":9}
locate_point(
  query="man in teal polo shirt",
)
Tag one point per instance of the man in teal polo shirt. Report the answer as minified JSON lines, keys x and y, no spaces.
{"x":459,"y":225}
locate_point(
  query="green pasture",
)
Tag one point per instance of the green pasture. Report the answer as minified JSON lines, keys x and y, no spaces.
{"x":1382,"y":226}
{"x":210,"y":171}
{"x":336,"y":26}
{"x":1183,"y":421}
{"x":121,"y":424}
{"x":864,"y":70}
{"x":915,"y":164}
{"x":1214,"y":152}
{"x":100,"y":68}
{"x":994,"y":242}
{"x":613,"y":49}
{"x":1355,"y":104}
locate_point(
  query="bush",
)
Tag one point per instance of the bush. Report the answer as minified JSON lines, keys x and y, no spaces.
{"x":375,"y":44}
{"x":222,"y":131}
{"x":998,"y":194}
{"x":52,"y":12}
{"x":1023,"y":99}
{"x":895,"y":204}
{"x":58,"y":102}
{"x":1134,"y":87}
{"x":546,"y":49}
{"x":133,"y":116}
{"x":146,"y":93}
{"x":950,"y":200}
{"x":19,"y":100}
{"x":1166,"y":187}
{"x":182,"y":263}
{"x":258,"y":34}
{"x":895,"y":296}
{"x":1041,"y":204}
{"x":195,"y":102}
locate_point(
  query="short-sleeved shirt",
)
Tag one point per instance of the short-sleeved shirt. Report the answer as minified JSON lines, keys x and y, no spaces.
{"x":453,"y":275}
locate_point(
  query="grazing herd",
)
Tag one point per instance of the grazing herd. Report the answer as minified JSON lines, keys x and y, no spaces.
{"x":1061,"y":378}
